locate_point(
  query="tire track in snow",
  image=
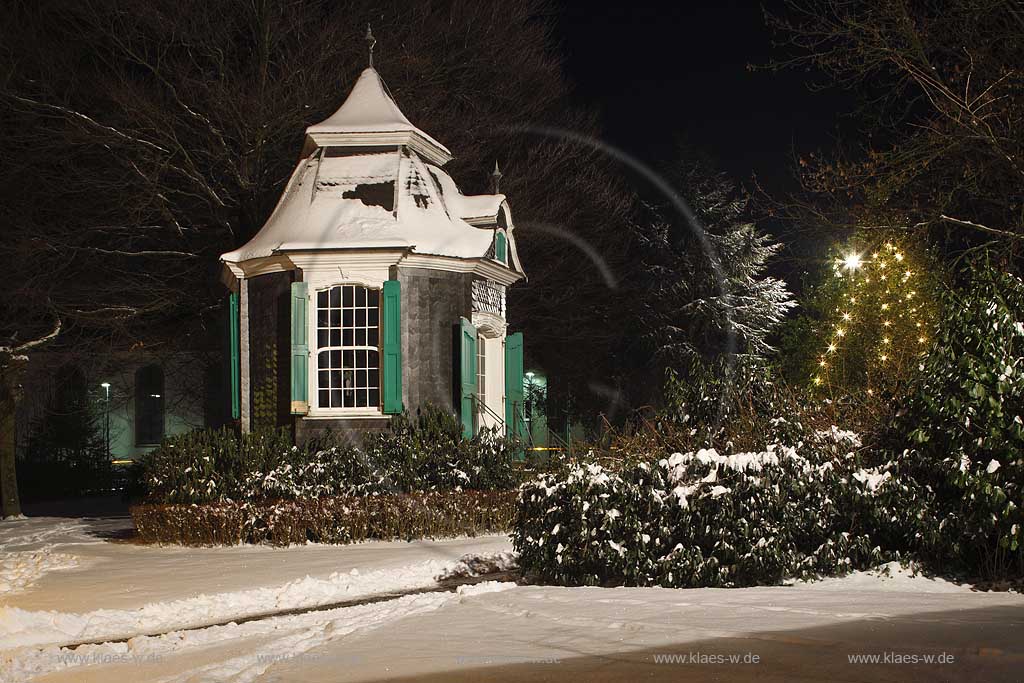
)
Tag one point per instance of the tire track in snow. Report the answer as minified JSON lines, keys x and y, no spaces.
{"x":443,"y":586}
{"x":24,"y":629}
{"x":281,"y":638}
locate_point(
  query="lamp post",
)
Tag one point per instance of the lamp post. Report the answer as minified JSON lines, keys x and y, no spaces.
{"x":528,"y":405}
{"x":106,"y":430}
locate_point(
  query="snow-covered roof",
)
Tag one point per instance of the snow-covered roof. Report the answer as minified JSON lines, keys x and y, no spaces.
{"x":476,"y":209}
{"x":361,"y":189}
{"x":369,"y":116}
{"x":348,"y":202}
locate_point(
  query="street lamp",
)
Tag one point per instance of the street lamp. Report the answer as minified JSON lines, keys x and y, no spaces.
{"x":106,"y":388}
{"x":528,"y":404}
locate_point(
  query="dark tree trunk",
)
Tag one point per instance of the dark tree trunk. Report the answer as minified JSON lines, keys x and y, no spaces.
{"x":10,"y":504}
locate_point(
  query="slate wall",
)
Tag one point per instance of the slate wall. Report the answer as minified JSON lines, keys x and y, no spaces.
{"x":432,"y":303}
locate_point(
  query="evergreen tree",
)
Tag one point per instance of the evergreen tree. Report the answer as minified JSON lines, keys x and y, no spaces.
{"x":707,"y":297}
{"x":67,"y":453}
{"x":874,"y":316}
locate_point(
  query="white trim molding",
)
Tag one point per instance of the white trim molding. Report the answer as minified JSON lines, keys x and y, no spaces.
{"x":324,"y":274}
{"x":489,"y":324}
{"x":421,"y":144}
{"x":244,"y":381}
{"x":351,"y":415}
{"x":484,"y":267}
{"x":279,"y":263}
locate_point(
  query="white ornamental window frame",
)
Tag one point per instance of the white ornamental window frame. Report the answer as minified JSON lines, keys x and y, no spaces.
{"x":491,"y":331}
{"x":315,"y":409}
{"x":481,"y":372}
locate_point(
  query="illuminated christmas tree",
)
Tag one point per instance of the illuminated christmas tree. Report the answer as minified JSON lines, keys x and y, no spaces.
{"x":879,"y":319}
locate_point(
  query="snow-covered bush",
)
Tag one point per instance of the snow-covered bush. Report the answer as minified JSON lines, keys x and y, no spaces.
{"x":705,"y":519}
{"x":430,"y":453}
{"x":425,"y":454}
{"x":209,"y":465}
{"x":960,"y":436}
{"x":330,"y":471}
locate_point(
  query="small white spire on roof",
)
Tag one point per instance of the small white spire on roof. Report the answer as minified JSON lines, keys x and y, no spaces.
{"x":371,"y":41}
{"x":369,"y":117}
{"x":496,"y":178}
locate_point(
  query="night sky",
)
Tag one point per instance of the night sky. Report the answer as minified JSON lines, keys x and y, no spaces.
{"x":658,"y":70}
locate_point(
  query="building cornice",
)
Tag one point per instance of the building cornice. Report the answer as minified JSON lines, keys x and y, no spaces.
{"x":484,"y":267}
{"x":278,"y":263}
{"x":428,"y":149}
{"x":317,"y":260}
{"x":335,"y":258}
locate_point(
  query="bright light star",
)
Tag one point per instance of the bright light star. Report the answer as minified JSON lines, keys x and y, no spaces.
{"x":852,"y":261}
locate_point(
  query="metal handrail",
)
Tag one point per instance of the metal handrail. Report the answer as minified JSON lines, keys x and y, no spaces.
{"x":522,"y":415}
{"x":480,"y":402}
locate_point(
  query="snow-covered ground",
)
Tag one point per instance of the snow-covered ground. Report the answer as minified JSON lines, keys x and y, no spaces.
{"x":82,"y":587}
{"x":66,"y":582}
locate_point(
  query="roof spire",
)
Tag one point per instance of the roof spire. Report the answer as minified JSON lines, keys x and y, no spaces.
{"x":371,"y":41}
{"x":496,"y":178}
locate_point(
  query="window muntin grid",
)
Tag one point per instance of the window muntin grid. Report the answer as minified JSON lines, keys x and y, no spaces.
{"x":481,"y":373}
{"x":348,"y":347}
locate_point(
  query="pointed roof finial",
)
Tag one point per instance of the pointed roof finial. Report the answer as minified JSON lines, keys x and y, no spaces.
{"x":496,"y":177}
{"x":371,"y":41}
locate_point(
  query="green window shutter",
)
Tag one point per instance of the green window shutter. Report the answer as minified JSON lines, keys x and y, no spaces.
{"x":501,"y":247}
{"x":300,"y":349}
{"x":234,"y":356}
{"x":514,"y":394}
{"x":467,"y":376}
{"x":392,"y":360}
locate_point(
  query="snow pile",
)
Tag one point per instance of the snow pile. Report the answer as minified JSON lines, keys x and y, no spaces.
{"x":480,"y":564}
{"x":19,"y":570}
{"x":872,"y":479}
{"x":32,"y":547}
{"x":889,"y":577}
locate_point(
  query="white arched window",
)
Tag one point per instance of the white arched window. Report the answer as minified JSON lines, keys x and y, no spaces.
{"x":348,"y":347}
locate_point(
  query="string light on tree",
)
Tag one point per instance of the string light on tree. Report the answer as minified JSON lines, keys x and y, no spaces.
{"x":877,"y":337}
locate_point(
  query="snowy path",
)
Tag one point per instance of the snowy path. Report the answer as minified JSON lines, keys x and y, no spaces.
{"x":235,"y":653}
{"x":149,"y":574}
{"x":542,"y":633}
{"x":66,"y":584}
{"x":484,"y":632}
{"x":506,"y":632}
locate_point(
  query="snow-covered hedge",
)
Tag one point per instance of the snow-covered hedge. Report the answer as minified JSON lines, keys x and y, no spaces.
{"x":706,"y":519}
{"x":425,"y":454}
{"x":329,"y":519}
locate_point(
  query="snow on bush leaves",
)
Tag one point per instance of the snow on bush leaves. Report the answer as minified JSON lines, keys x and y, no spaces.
{"x":423,"y":454}
{"x":706,"y":519}
{"x":966,"y":431}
